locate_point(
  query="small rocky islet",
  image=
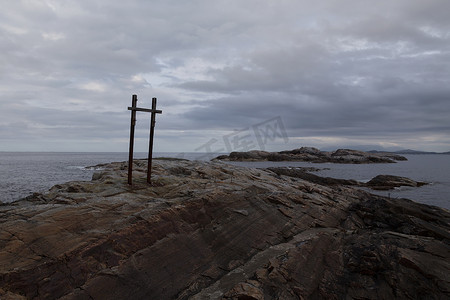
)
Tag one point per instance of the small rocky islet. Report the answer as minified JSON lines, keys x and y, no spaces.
{"x":210,"y":230}
{"x":311,"y":154}
{"x":379,"y":182}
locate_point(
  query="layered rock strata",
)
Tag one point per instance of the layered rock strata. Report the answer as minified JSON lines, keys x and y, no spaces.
{"x":388,"y":182}
{"x":214,"y":231}
{"x":311,"y":154}
{"x":379,"y":182}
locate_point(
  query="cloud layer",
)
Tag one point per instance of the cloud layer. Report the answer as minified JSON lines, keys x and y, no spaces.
{"x":337,"y":73}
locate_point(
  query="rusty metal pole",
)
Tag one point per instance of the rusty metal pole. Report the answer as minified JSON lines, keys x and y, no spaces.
{"x":150,"y":147}
{"x":130,"y":154}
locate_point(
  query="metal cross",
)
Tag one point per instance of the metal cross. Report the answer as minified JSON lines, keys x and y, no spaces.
{"x":153,"y":112}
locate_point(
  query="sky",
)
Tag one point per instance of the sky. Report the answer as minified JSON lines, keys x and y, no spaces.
{"x":229,"y":75}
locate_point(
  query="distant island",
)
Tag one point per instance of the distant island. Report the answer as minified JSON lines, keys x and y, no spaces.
{"x":311,"y":154}
{"x":410,"y":151}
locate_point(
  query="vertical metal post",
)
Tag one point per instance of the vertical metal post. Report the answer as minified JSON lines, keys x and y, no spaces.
{"x":130,"y":154}
{"x":150,"y":147}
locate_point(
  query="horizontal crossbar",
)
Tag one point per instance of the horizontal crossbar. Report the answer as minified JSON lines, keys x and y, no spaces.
{"x":156,"y":111}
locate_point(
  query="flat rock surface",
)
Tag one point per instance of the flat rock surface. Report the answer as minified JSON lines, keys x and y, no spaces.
{"x":214,"y":231}
{"x":311,"y":154}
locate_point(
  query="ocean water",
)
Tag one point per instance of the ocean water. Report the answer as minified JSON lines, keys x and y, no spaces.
{"x":431,"y":168}
{"x":22,"y":173}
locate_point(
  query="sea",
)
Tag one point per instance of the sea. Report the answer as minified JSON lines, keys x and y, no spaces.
{"x":24,"y":173}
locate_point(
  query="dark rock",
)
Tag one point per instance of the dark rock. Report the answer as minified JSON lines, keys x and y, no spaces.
{"x":301,"y":173}
{"x":387,"y":182}
{"x":179,"y":171}
{"x":394,"y":156}
{"x":278,"y":157}
{"x":314,"y":155}
{"x":380,"y":182}
{"x":354,"y":156}
{"x":250,"y":155}
{"x":222,"y":157}
{"x":205,"y":236}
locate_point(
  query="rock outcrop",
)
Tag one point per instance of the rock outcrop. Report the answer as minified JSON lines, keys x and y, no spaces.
{"x":304,"y":174}
{"x":214,"y":231}
{"x":388,"y":182}
{"x":379,"y":182}
{"x":311,"y":154}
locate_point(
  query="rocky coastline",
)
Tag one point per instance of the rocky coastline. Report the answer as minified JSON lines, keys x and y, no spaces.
{"x":379,"y":182}
{"x":208,"y":230}
{"x":311,"y":154}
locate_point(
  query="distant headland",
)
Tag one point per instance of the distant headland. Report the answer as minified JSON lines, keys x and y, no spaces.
{"x":409,"y":151}
{"x":311,"y":154}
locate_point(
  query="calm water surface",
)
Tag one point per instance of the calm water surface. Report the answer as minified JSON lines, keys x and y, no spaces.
{"x":21,"y":174}
{"x":431,"y":168}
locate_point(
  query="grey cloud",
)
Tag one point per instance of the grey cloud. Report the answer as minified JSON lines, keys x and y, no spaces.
{"x":329,"y":69}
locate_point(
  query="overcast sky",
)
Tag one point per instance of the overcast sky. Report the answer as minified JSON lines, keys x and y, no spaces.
{"x":229,"y":75}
